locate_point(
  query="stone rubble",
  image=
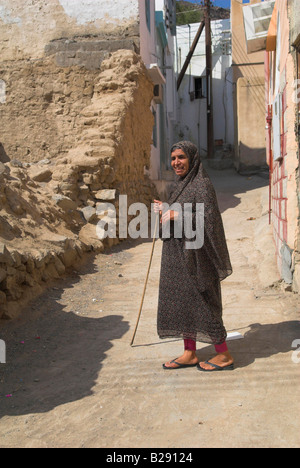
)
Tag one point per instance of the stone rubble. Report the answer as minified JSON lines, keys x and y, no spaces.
{"x":49,"y":209}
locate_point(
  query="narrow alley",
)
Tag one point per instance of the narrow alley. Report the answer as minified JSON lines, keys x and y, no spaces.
{"x":73,"y":380}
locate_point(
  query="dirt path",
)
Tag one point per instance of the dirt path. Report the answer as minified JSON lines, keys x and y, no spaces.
{"x":72,"y":379}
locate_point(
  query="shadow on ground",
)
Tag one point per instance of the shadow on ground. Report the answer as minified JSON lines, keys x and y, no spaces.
{"x":261,"y":341}
{"x":54,"y":356}
{"x":229,"y":184}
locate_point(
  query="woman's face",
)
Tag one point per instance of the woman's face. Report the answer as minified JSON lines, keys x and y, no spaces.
{"x":180,"y":162}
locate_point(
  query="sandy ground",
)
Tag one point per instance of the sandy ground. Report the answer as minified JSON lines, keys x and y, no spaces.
{"x":73,"y":380}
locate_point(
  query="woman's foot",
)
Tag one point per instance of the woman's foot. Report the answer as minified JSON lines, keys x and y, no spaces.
{"x":221,"y":360}
{"x":188,"y":358}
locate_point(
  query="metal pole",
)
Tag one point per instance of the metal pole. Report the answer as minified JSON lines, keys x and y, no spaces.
{"x":209,"y":88}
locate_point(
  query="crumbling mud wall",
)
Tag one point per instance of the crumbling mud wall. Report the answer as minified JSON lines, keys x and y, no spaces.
{"x":73,"y":137}
{"x":52,"y":90}
{"x":40,"y":113}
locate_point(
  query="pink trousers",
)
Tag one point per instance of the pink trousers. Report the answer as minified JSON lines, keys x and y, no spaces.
{"x":190,"y":345}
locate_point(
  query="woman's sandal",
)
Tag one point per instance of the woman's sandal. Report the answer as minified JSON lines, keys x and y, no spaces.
{"x":216,"y":367}
{"x":179,"y":366}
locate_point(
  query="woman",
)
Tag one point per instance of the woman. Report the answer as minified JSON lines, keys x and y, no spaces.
{"x":190,"y":303}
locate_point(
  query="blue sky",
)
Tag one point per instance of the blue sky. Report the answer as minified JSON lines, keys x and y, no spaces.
{"x":220,"y":3}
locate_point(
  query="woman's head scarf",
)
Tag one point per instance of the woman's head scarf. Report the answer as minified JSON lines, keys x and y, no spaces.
{"x":195,"y":165}
{"x":197,"y":185}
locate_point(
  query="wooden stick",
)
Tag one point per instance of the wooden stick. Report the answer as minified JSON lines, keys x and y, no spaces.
{"x":145,"y":286}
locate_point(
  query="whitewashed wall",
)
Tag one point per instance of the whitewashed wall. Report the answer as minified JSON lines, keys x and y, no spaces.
{"x":27,"y":26}
{"x":192,"y":120}
{"x":114,"y":11}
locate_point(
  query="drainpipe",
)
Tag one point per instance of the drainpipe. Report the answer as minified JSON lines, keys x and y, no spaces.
{"x":269,"y":125}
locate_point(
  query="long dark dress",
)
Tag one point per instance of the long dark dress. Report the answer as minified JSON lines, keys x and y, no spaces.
{"x":190,"y":301}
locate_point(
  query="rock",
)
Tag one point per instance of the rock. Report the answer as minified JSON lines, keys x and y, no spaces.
{"x":88,"y":179}
{"x":88,"y":235}
{"x":67,"y":187}
{"x":39,"y":174}
{"x":50,"y":272}
{"x":83,"y":189}
{"x":16,"y":207}
{"x":55,"y":239}
{"x":105,"y":208}
{"x":5,"y":256}
{"x":106,"y":195}
{"x":17,"y":258}
{"x":89,"y":213}
{"x":29,"y":281}
{"x":40,"y":260}
{"x":2,"y":297}
{"x":16,"y":163}
{"x":60,"y":267}
{"x":44,"y":162}
{"x":30,"y":265}
{"x":69,"y":258}
{"x":14,"y":292}
{"x":3,"y":275}
{"x":3,"y":168}
{"x":11,"y":271}
{"x":65,"y":203}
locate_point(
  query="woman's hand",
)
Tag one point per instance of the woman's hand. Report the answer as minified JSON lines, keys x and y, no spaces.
{"x":157,"y":206}
{"x":169,"y":215}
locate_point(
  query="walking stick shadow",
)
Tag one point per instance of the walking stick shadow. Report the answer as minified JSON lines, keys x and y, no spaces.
{"x":262,"y":341}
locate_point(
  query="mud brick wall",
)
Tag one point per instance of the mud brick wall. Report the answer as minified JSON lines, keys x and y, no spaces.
{"x":75,"y":132}
{"x":88,"y":139}
{"x":39,"y":117}
{"x":76,"y":128}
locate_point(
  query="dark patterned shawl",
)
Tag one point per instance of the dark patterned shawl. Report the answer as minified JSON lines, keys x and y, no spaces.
{"x":212,"y":260}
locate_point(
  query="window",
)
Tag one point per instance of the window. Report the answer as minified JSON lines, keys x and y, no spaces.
{"x":170,"y":8}
{"x":278,"y":55}
{"x":154,"y":136}
{"x":200,"y":87}
{"x":277,"y":118}
{"x":226,"y":47}
{"x":148,"y":14}
{"x":257,"y":18}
